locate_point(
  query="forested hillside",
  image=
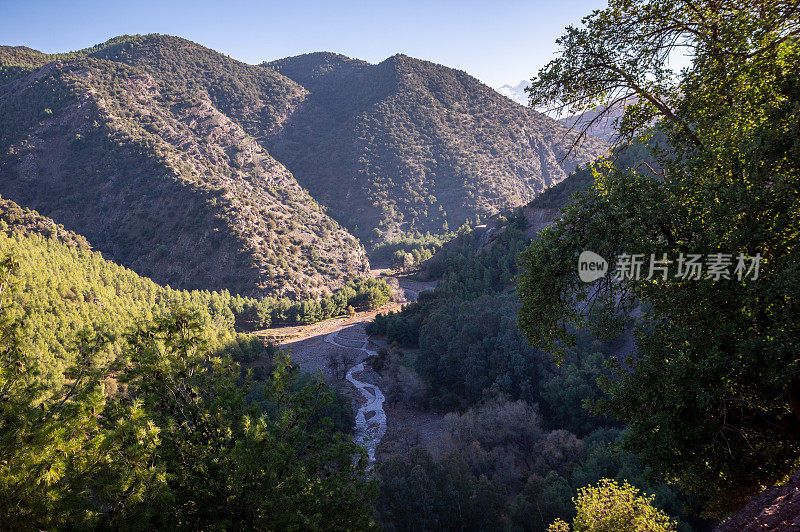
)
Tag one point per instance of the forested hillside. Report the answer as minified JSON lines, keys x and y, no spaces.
{"x":411,"y":145}
{"x":62,"y":287}
{"x":113,"y":386}
{"x":157,"y":177}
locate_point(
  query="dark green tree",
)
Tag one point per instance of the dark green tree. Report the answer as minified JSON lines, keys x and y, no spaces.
{"x":229,"y":464}
{"x":712,"y":394}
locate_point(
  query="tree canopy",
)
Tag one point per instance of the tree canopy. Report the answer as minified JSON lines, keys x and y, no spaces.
{"x":610,"y":506}
{"x":711,"y":392}
{"x":178,"y":442}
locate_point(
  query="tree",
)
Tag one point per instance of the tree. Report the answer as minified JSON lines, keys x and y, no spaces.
{"x":712,"y":394}
{"x":419,"y":493}
{"x":610,"y":507}
{"x":621,"y":55}
{"x":51,"y":444}
{"x":226,"y":462}
{"x":180,"y":444}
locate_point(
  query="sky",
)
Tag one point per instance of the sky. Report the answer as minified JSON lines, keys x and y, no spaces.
{"x":496,"y":41}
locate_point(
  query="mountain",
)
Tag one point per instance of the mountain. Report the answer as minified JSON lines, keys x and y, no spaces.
{"x":605,"y":127}
{"x":517,"y":92}
{"x":525,"y":222}
{"x":409,"y":144}
{"x":129,"y":144}
{"x":602,"y":129}
{"x":200,"y":171}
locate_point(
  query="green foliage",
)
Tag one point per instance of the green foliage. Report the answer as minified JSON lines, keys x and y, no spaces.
{"x":422,"y":494}
{"x":498,"y":468}
{"x":359,"y":293}
{"x":468,"y":270}
{"x":176,"y":446}
{"x":409,"y":250}
{"x":471,"y":355}
{"x":471,"y":349}
{"x":635,"y":156}
{"x":466,"y":273}
{"x":568,"y":396}
{"x":609,"y":507}
{"x":63,"y":287}
{"x":60,"y":289}
{"x":710,"y":395}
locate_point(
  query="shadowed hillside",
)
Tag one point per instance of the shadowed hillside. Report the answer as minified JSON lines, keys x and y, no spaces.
{"x":408,"y":144}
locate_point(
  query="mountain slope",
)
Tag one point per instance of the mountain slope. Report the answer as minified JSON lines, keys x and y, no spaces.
{"x":257,"y":98}
{"x":163,"y":182}
{"x":411,"y":144}
{"x":602,"y":127}
{"x":187,"y":165}
{"x":61,"y":287}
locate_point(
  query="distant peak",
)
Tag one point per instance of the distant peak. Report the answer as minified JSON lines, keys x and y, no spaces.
{"x":516,"y":92}
{"x":317,"y":55}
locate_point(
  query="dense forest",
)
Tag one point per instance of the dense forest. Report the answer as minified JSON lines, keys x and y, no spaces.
{"x":519,"y":427}
{"x":709,"y":397}
{"x":688,"y":384}
{"x":61,"y":287}
{"x":168,"y":434}
{"x":123,"y":405}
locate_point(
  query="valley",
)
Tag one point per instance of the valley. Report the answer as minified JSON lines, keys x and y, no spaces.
{"x":309,"y":291}
{"x":337,"y":348}
{"x":266,"y":180}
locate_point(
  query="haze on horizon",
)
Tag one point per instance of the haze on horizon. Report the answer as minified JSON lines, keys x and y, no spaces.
{"x":500,"y":43}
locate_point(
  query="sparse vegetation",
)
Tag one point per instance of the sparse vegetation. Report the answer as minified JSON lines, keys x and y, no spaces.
{"x":138,"y":158}
{"x":425,"y":148}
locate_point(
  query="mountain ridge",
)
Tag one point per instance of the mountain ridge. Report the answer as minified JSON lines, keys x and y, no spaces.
{"x":201,"y":171}
{"x":451,"y":138}
{"x":166,"y":145}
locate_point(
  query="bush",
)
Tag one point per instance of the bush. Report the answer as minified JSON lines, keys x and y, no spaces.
{"x":611,"y":507}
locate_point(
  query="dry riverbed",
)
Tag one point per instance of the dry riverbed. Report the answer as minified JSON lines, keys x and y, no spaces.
{"x":336,"y":348}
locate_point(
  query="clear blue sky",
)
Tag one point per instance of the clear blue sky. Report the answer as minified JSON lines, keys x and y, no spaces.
{"x":496,"y":41}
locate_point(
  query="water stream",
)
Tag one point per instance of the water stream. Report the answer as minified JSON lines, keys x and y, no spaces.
{"x":370,"y":417}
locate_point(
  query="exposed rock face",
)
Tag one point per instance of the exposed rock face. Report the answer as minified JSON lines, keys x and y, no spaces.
{"x":776,"y":509}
